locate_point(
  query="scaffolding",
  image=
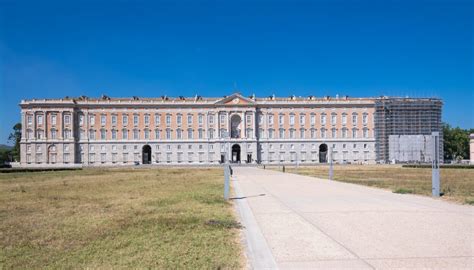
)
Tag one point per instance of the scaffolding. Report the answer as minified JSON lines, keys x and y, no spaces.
{"x":405,"y":117}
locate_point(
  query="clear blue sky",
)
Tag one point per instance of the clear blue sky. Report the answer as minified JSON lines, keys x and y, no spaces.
{"x":125,"y":48}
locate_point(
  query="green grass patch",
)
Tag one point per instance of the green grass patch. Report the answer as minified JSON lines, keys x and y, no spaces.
{"x":117,"y":218}
{"x":403,"y":191}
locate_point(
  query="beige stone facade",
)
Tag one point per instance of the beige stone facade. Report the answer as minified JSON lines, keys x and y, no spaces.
{"x":115,"y":131}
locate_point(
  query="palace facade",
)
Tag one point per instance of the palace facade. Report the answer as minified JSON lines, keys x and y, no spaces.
{"x":198,"y":130}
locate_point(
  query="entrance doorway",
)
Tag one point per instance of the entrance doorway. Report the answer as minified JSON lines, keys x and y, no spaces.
{"x":249,"y":158}
{"x":236,"y":153}
{"x":146,"y":154}
{"x":323,"y":153}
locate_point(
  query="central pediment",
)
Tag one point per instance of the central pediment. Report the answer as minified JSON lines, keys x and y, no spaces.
{"x":235,"y":99}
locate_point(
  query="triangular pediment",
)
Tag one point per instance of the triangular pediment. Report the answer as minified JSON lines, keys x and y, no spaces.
{"x":235,"y":99}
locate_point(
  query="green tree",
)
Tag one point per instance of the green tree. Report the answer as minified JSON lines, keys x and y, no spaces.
{"x":15,"y":138}
{"x":456,"y":142}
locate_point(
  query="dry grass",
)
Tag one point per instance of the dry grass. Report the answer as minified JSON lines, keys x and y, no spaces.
{"x":456,"y":184}
{"x":117,"y":218}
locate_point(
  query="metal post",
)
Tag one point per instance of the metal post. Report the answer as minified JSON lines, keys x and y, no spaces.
{"x":331,"y":169}
{"x":226,"y":168}
{"x":435,"y":180}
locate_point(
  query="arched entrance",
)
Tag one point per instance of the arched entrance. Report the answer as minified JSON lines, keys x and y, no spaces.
{"x":146,"y":154}
{"x":323,"y":153}
{"x":236,"y":153}
{"x":235,"y":121}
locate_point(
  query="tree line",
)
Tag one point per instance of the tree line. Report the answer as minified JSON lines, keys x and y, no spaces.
{"x":456,"y":144}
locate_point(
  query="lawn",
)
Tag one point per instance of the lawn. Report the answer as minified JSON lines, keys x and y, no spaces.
{"x":117,"y":218}
{"x":456,"y":184}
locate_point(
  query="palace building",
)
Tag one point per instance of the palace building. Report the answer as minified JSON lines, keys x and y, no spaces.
{"x":198,"y":130}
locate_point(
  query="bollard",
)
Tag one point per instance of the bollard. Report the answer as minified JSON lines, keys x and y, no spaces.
{"x":264,"y":167}
{"x":283,"y":168}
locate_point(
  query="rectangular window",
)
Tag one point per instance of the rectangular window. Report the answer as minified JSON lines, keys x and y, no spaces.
{"x":168,"y":119}
{"x":200,"y":133}
{"x":114,"y":120}
{"x":29,"y":119}
{"x":281,"y":119}
{"x":190,"y":119}
{"x":211,"y":119}
{"x":354,"y":119}
{"x":102,"y":134}
{"x":124,"y":119}
{"x":333,"y":133}
{"x":157,"y":134}
{"x":333,"y":119}
{"x":91,"y":134}
{"x":40,"y":119}
{"x":168,"y":134}
{"x":157,"y":119}
{"x":366,"y":133}
{"x":344,"y":119}
{"x":292,"y":133}
{"x":200,"y":119}
{"x":211,"y":133}
{"x":302,"y":119}
{"x":114,"y":134}
{"x":53,"y":134}
{"x":222,"y":118}
{"x":92,"y":120}
{"x":147,"y":134}
{"x":270,"y":133}
{"x":270,"y":119}
{"x":103,"y":120}
{"x":323,"y":119}
{"x":282,"y":134}
{"x":179,"y":119}
{"x":81,"y":119}
{"x":67,"y":119}
{"x":313,"y":119}
{"x":135,"y":134}
{"x":124,"y":134}
{"x":147,"y":119}
{"x":135,"y":120}
{"x":53,"y":119}
{"x":365,"y":119}
{"x":249,"y":118}
{"x":292,"y":119}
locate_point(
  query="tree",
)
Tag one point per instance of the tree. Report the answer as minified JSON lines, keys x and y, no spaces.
{"x":456,"y":143}
{"x":15,"y":138}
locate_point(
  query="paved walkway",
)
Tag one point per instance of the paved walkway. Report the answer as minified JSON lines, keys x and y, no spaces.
{"x":300,"y":222}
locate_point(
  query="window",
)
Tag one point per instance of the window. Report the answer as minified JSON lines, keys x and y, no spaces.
{"x":200,"y":133}
{"x":281,"y":119}
{"x":249,"y":118}
{"x":292,"y":119}
{"x":29,"y":119}
{"x":135,"y":134}
{"x":282,"y":133}
{"x":103,"y":120}
{"x":260,"y":132}
{"x":40,"y":119}
{"x":147,"y":119}
{"x":39,"y":134}
{"x":81,"y":119}
{"x":114,"y":119}
{"x":313,"y":119}
{"x":344,"y":119}
{"x":260,"y":119}
{"x":270,"y":133}
{"x":147,"y":134}
{"x":211,"y":133}
{"x":270,"y":119}
{"x":38,"y":148}
{"x":249,"y":133}
{"x":333,"y":119}
{"x":302,"y":135}
{"x":67,"y":119}
{"x":28,"y":148}
{"x":91,"y":134}
{"x":365,"y":118}
{"x":323,"y":119}
{"x":29,"y":134}
{"x":102,"y":134}
{"x":157,"y":119}
{"x":200,"y":119}
{"x":157,"y":134}
{"x":53,"y":133}
{"x":302,"y":119}
{"x":211,"y":119}
{"x":168,"y":119}
{"x":190,"y":119}
{"x":124,"y":119}
{"x":354,"y":133}
{"x":179,"y":119}
{"x":124,"y":134}
{"x":333,"y":133}
{"x":82,"y":134}
{"x":53,"y":119}
{"x":366,"y":133}
{"x":292,"y":133}
{"x":354,"y":119}
{"x":67,"y":134}
{"x":114,"y":134}
{"x":179,"y":134}
{"x":344,"y":133}
{"x":92,"y":120}
{"x":323,"y":133}
{"x":190,"y":133}
{"x":135,"y":120}
{"x":168,"y":134}
{"x":313,"y":133}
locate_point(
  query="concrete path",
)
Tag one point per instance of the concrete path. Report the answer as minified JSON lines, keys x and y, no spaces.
{"x":300,"y":222}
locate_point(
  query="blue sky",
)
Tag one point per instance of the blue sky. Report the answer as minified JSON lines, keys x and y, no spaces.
{"x":125,"y":48}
